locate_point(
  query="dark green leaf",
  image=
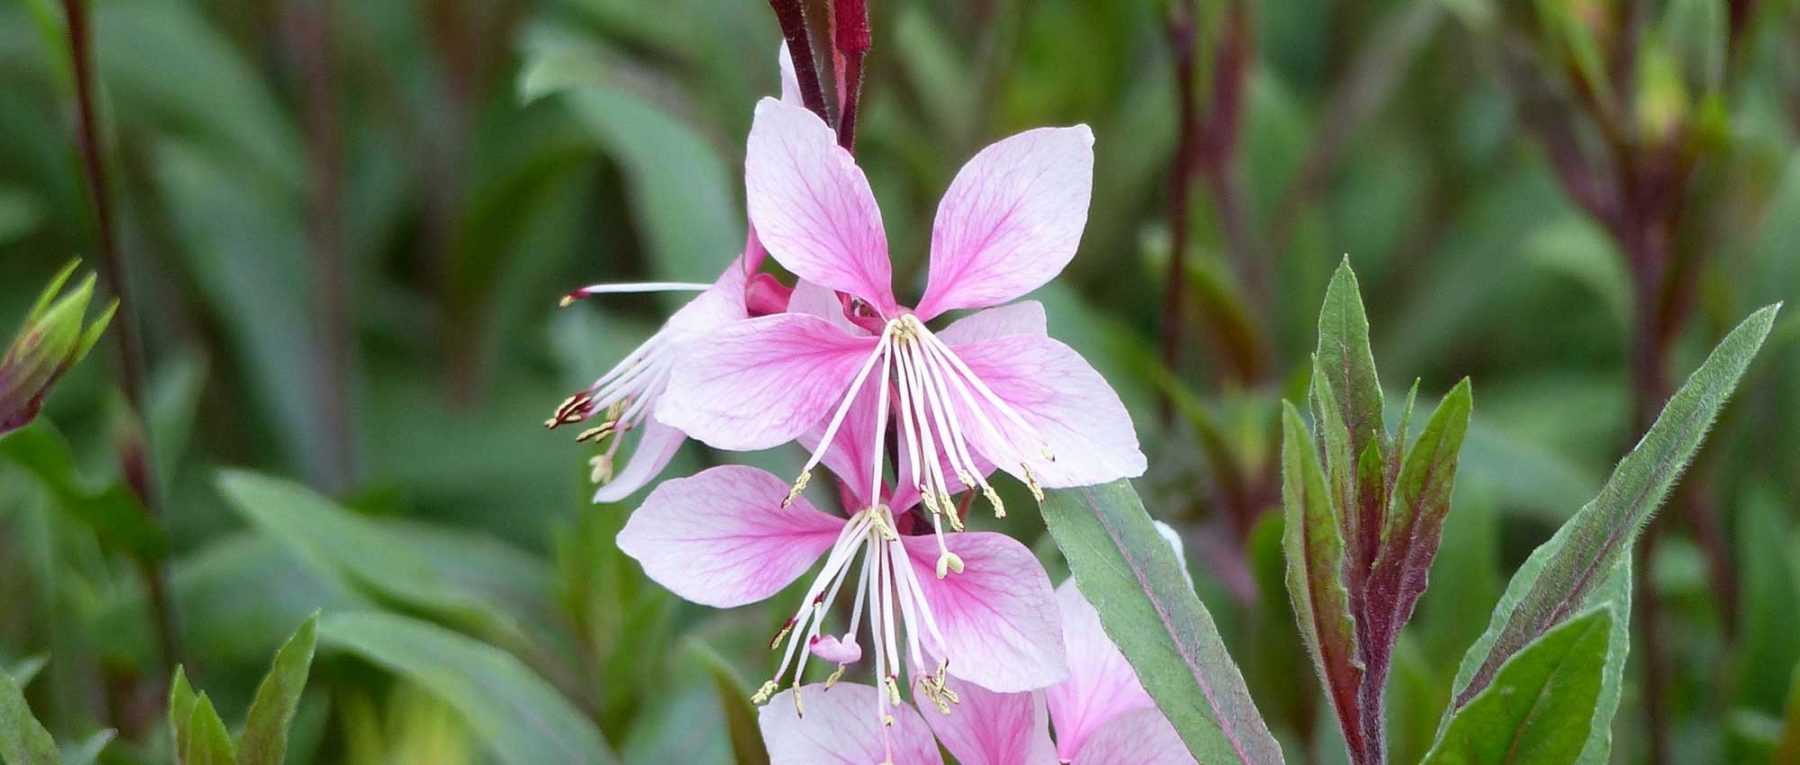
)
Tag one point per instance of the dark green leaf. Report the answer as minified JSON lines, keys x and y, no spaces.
{"x":1540,"y":705}
{"x":1126,"y":569}
{"x":1346,"y":360}
{"x":1577,"y":560}
{"x":521,"y":719}
{"x":1769,"y":622}
{"x":264,"y":741}
{"x":23,"y":740}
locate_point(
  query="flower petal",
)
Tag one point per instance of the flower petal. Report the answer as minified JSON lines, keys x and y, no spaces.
{"x":1135,"y":739}
{"x":1070,"y":406}
{"x":655,"y":447}
{"x":853,"y":451}
{"x":1025,"y":317}
{"x":1101,"y":685}
{"x":840,"y":727}
{"x":758,"y":383}
{"x":812,"y":207}
{"x":790,"y":82}
{"x":989,"y":728}
{"x":721,"y":539}
{"x":1011,"y":220}
{"x":998,"y":617}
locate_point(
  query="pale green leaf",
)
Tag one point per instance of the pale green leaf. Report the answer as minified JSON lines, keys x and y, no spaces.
{"x":264,"y":741}
{"x":23,"y":740}
{"x":1540,"y":704}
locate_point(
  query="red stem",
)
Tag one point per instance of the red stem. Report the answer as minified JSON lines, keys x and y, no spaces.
{"x":792,"y":18}
{"x":1181,"y":41}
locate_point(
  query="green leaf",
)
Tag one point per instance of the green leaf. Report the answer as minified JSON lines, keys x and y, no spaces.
{"x":1315,"y":572}
{"x":520,"y":718}
{"x":86,"y":752}
{"x":1348,"y":363}
{"x":264,"y":741}
{"x":181,"y":709}
{"x":734,"y":699}
{"x":23,"y":740}
{"x":1576,"y":561}
{"x":208,"y":742}
{"x":342,"y":543}
{"x":1126,"y":569}
{"x":1788,"y":749}
{"x":26,"y":670}
{"x":112,"y":510}
{"x":1541,"y":703}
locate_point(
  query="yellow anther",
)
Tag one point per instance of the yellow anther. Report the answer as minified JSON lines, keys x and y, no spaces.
{"x":762,"y":694}
{"x":787,"y":627}
{"x":893,"y":689}
{"x":799,"y":486}
{"x":878,"y":524}
{"x":887,"y":721}
{"x":597,"y":434}
{"x":993,"y":498}
{"x":799,"y":711}
{"x":1031,"y":482}
{"x":836,"y":675}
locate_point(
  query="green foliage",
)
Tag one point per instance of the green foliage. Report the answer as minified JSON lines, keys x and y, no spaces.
{"x":264,"y":741}
{"x":1525,"y":714}
{"x":519,"y":717}
{"x":1126,"y":569}
{"x":23,"y":740}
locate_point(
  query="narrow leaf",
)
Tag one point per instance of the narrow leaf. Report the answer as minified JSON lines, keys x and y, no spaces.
{"x":1769,"y":623}
{"x":181,"y":709}
{"x":519,"y":717}
{"x":1539,"y":706}
{"x":1126,"y":569}
{"x":1315,"y":575}
{"x":1349,"y":364}
{"x":734,"y":700}
{"x":265,"y":732}
{"x":1415,"y":520}
{"x":208,"y":742}
{"x":86,"y":752}
{"x":1588,"y":547}
{"x":23,"y":740}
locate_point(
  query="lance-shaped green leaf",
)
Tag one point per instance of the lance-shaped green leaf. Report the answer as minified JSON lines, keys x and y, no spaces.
{"x":1127,"y":571}
{"x":1537,"y":709}
{"x":1581,"y":555}
{"x":517,"y":715}
{"x":23,"y":740}
{"x":264,"y":741}
{"x":1315,"y":576}
{"x":1415,"y":519}
{"x":734,"y":700}
{"x":207,"y":741}
{"x":1346,"y":361}
{"x":181,"y":709}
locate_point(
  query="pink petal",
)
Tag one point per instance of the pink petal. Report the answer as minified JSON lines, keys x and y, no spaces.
{"x":840,"y":727}
{"x":821,"y":301}
{"x":655,"y":447}
{"x":758,"y":383}
{"x":1101,"y":685}
{"x":1011,"y":220}
{"x":1135,"y":739}
{"x":1025,"y":317}
{"x":998,"y":617}
{"x":1071,"y":407}
{"x":837,"y":651}
{"x":721,"y":539}
{"x":853,"y":451}
{"x":812,"y":207}
{"x":790,"y":82}
{"x":989,"y":728}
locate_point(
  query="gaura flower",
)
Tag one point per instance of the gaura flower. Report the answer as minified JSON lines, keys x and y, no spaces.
{"x":50,"y":340}
{"x":975,"y":607}
{"x":1101,"y":712}
{"x":626,"y":395}
{"x":991,"y":390}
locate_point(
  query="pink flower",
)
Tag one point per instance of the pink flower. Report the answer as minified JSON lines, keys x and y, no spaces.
{"x":974,"y":607}
{"x":1101,"y":712}
{"x":627,"y":394}
{"x":989,"y":390}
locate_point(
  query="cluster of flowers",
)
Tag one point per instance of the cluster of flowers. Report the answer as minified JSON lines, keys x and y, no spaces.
{"x":966,"y":621}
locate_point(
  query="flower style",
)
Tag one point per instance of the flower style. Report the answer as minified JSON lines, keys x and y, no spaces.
{"x":991,"y":390}
{"x":626,"y":395}
{"x":1102,"y":715}
{"x":50,"y":341}
{"x":973,"y":608}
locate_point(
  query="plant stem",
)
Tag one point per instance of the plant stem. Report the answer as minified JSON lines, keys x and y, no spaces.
{"x":1180,"y":27}
{"x":792,"y":18}
{"x":135,"y":457}
{"x":851,"y":39}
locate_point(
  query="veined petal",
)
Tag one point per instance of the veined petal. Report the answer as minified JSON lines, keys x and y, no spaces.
{"x":655,"y":447}
{"x":758,"y":383}
{"x":1025,"y":317}
{"x":812,"y":207}
{"x":988,"y":728}
{"x":1011,"y":220}
{"x":721,"y":539}
{"x":1101,"y":687}
{"x":853,"y":450}
{"x":840,"y":727}
{"x":998,"y":617}
{"x":1070,"y":406}
{"x":790,"y":82}
{"x":1137,"y":738}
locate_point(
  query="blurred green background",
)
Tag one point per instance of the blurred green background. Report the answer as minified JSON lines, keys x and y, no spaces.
{"x":346,"y":225}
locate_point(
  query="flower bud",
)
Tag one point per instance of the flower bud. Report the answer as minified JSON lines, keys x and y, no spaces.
{"x":52,"y":338}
